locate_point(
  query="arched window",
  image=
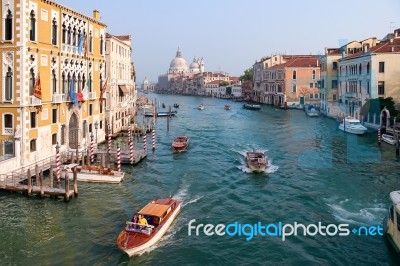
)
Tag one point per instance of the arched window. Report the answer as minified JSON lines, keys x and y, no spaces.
{"x":69,"y":81}
{"x":79,"y":83}
{"x":313,"y":74}
{"x":64,"y":33}
{"x":33,"y":145}
{"x":54,"y":81}
{"x":101,"y":44}
{"x":31,"y":81}
{"x":74,"y":82}
{"x":54,"y":32}
{"x":294,"y":74}
{"x":64,"y":84}
{"x":101,"y":83}
{"x":32,"y":26}
{"x":74,"y":37}
{"x":8,"y":26}
{"x":69,"y":35}
{"x":90,"y":82}
{"x":8,"y":124}
{"x":9,"y":85}
{"x":90,"y":42}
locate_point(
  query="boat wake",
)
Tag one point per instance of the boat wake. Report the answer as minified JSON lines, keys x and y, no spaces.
{"x":357,"y":216}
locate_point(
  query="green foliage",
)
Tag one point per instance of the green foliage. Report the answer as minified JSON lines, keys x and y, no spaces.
{"x":376,"y":106}
{"x":223,"y":84}
{"x":248,"y":74}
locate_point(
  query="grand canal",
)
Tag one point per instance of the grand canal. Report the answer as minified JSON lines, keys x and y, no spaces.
{"x":317,"y":174}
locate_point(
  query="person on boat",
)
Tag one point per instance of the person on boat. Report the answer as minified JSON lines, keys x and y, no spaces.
{"x":142,"y":220}
{"x":135,"y":220}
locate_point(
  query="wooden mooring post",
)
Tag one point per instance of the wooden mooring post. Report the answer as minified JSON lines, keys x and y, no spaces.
{"x":41,"y":184}
{"x":66,"y":195}
{"x":51,"y":177}
{"x":75,"y":172}
{"x":28,"y":174}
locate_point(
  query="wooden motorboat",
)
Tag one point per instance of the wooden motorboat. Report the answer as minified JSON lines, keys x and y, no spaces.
{"x":256,"y":161}
{"x":251,"y":106}
{"x":227,"y":107}
{"x":158,"y":216}
{"x":180,"y":143}
{"x":389,"y":139}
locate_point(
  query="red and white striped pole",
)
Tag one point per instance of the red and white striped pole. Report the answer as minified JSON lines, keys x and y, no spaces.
{"x":91,"y":149}
{"x":58,"y":162}
{"x":153,"y":139}
{"x":109,"y":139}
{"x":118,"y":157}
{"x":131,"y":150}
{"x":145,"y":143}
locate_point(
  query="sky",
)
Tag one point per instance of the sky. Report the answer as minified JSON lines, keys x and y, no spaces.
{"x":231,"y":35}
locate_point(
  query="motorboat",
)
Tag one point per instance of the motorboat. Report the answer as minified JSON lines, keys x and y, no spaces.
{"x":251,"y":106}
{"x":389,"y":139}
{"x":352,"y":125}
{"x":227,"y":107}
{"x":201,"y":107}
{"x":161,"y":113}
{"x":176,"y":105}
{"x":256,"y":161}
{"x":180,"y":143}
{"x":391,"y":222}
{"x":312,"y":111}
{"x":148,"y":225}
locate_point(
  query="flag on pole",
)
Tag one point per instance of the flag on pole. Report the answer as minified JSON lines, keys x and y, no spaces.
{"x":81,"y":42}
{"x":85,"y":90}
{"x":103,"y":90}
{"x":72,"y":93}
{"x":37,"y":92}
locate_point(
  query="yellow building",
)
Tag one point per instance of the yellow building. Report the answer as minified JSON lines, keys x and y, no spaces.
{"x":63,"y":50}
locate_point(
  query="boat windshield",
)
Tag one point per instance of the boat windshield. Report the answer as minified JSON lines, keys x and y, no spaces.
{"x":139,"y":228}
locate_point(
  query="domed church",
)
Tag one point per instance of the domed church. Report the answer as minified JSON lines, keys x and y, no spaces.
{"x":179,"y":66}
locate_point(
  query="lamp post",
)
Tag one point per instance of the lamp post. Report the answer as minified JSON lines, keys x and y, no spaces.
{"x":96,"y":126}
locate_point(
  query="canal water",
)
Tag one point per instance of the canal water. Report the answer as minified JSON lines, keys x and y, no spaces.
{"x":316,"y":174}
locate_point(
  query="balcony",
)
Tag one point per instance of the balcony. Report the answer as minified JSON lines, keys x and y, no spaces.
{"x":92,"y":95}
{"x":57,"y":98}
{"x":8,"y":131}
{"x":34,"y":101}
{"x":69,"y":49}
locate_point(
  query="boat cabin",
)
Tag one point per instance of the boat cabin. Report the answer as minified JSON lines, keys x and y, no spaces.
{"x":392,"y":224}
{"x":155,"y":212}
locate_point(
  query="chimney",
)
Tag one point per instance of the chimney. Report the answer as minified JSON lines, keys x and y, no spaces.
{"x":392,"y":49}
{"x":96,"y":14}
{"x":391,"y":40}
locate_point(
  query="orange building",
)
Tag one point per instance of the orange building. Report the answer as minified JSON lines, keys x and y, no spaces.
{"x":293,"y":82}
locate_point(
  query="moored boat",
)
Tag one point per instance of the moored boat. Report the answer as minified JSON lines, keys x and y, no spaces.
{"x":352,"y":125}
{"x":161,"y":113}
{"x":201,"y":107}
{"x":312,"y":111}
{"x":389,"y":139}
{"x":251,"y":106}
{"x":256,"y":161}
{"x":391,"y":222}
{"x":227,"y":107}
{"x":148,"y":225}
{"x":180,"y":143}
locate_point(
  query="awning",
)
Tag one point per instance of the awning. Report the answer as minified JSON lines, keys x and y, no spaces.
{"x":154,"y":209}
{"x":123,"y":89}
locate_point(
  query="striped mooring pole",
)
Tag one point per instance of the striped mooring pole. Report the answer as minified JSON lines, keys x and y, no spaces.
{"x":131,"y":150}
{"x":379,"y":136}
{"x":58,"y":165}
{"x":145,"y":143}
{"x":118,"y":157}
{"x":91,"y":149}
{"x":153,"y":139}
{"x":109,"y":139}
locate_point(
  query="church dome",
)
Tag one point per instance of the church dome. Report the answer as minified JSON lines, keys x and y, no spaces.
{"x":194,"y":65}
{"x":178,"y":63}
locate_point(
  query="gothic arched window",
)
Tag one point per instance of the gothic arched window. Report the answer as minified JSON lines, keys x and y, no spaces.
{"x":32,"y":26}
{"x":8,"y":26}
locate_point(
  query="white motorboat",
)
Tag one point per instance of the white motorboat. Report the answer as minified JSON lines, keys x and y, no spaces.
{"x":312,"y":111}
{"x":201,"y":107}
{"x":352,"y":125}
{"x":392,"y":221}
{"x":389,"y":139}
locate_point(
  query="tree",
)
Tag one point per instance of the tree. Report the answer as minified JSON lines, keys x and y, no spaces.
{"x":376,"y":106}
{"x":223,"y":84}
{"x":248,"y":74}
